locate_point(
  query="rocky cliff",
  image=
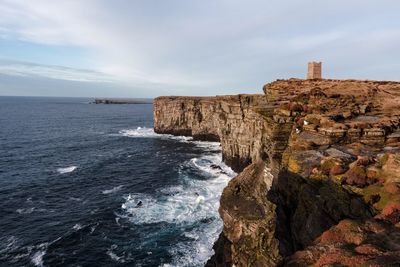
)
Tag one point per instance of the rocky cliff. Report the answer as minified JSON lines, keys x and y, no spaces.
{"x":321,"y":184}
{"x":232,"y":120}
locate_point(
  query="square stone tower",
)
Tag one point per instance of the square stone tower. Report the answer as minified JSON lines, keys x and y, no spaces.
{"x":314,"y":70}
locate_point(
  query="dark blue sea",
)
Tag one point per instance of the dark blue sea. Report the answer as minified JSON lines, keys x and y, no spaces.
{"x":72,"y":175}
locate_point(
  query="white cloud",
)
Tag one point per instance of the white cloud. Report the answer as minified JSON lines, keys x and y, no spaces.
{"x":13,"y":68}
{"x":215,"y":44}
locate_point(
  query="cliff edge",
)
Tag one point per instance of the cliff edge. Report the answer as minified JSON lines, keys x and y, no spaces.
{"x":320,"y":162}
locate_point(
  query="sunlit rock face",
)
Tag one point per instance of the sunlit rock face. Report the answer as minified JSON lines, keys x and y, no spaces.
{"x":232,"y":120}
{"x":332,"y":150}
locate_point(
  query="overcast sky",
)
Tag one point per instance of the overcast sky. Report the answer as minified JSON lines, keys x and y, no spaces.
{"x":132,"y":48}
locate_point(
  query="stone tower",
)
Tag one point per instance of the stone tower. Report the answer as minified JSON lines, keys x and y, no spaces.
{"x":314,"y":70}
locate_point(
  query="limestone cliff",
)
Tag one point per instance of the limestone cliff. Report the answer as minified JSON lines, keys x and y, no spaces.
{"x":322,"y":186}
{"x":232,"y":120}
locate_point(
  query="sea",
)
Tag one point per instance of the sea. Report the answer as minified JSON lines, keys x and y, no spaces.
{"x":92,"y":185}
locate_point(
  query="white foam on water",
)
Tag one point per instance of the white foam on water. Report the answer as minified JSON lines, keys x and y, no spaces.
{"x":212,"y":165}
{"x":114,"y":256}
{"x":77,"y":227}
{"x":193,"y":202}
{"x":113,"y":190}
{"x":37,"y":258}
{"x":199,"y":250}
{"x":66,"y":169}
{"x":208,"y":146}
{"x":8,"y":244}
{"x":145,"y":132}
{"x":25,"y":211}
{"x":10,"y":249}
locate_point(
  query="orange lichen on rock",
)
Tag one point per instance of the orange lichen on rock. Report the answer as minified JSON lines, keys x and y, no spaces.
{"x":390,"y":213}
{"x":347,"y":231}
{"x":352,"y":243}
{"x":333,"y":148}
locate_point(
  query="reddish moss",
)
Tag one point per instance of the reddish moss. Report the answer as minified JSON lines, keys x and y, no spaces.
{"x":390,"y":213}
{"x":342,"y":258}
{"x":368,"y":249}
{"x":347,"y":231}
{"x":356,"y":176}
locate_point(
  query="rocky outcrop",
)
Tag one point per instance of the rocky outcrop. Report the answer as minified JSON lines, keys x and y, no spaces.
{"x":352,"y":243}
{"x":249,"y":219}
{"x":333,"y":150}
{"x":232,"y":120}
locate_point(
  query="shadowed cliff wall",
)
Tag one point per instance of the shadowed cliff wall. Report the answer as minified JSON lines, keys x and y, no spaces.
{"x":232,"y":120}
{"x":333,"y":148}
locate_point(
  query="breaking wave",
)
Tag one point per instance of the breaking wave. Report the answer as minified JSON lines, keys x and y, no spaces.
{"x":194,"y":202}
{"x":144,"y":132}
{"x":66,"y":169}
{"x":149,"y":133}
{"x":37,"y":258}
{"x":113,"y":190}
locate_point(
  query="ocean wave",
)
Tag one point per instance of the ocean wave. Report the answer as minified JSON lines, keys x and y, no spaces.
{"x":194,"y":202}
{"x":113,"y":190}
{"x":211,"y":165}
{"x":209,"y":146}
{"x":12,"y":249}
{"x":66,"y":169}
{"x":149,"y":133}
{"x":37,"y":258}
{"x":114,"y":256}
{"x":191,"y":204}
{"x":32,"y":209}
{"x":77,"y":227}
{"x":199,"y":250}
{"x":25,"y":211}
{"x":8,"y":244}
{"x":144,"y":132}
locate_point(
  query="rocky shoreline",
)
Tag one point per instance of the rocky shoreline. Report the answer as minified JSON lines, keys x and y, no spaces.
{"x":320,"y":170}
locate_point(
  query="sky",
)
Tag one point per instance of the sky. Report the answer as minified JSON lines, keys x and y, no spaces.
{"x":147,"y":48}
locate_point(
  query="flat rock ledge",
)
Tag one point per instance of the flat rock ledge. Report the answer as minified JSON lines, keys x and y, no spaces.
{"x":320,"y":171}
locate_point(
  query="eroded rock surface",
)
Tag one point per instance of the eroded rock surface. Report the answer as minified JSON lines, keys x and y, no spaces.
{"x":249,"y":221}
{"x":232,"y":120}
{"x":333,"y":149}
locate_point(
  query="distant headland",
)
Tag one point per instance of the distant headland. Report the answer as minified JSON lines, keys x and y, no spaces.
{"x":123,"y":101}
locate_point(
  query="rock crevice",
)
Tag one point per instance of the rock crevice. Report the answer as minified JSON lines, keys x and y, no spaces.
{"x":320,"y":170}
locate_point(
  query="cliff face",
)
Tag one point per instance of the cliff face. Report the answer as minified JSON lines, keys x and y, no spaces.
{"x":322,"y":184}
{"x":249,"y":219}
{"x":232,"y":120}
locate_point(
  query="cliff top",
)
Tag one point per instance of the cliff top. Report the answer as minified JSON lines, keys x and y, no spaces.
{"x":333,"y":150}
{"x":173,"y":97}
{"x":383,"y":96}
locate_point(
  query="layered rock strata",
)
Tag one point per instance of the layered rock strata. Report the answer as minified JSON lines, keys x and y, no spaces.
{"x":249,"y":219}
{"x":323,"y":182}
{"x":232,"y":120}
